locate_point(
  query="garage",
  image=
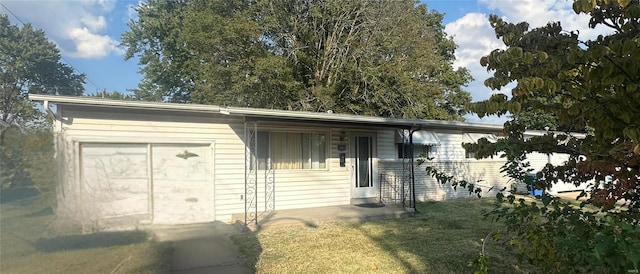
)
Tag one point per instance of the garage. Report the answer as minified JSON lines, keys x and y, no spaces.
{"x":129,"y":184}
{"x":182,"y":184}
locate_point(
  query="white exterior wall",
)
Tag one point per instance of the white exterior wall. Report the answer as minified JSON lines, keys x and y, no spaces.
{"x":538,"y":162}
{"x":448,"y":157}
{"x":387,"y":145}
{"x":224,"y":192}
{"x":311,"y":187}
{"x":315,"y":188}
{"x":222,"y":134}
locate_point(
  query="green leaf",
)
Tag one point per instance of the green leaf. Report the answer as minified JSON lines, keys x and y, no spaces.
{"x":388,"y":58}
{"x":623,"y":3}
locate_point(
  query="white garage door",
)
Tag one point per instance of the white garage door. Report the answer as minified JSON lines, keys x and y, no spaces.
{"x":182,"y":184}
{"x":115,"y":181}
{"x":166,"y":183}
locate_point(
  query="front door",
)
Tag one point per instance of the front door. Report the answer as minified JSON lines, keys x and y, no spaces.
{"x":364,"y":183}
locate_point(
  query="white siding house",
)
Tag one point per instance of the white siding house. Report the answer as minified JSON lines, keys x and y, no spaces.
{"x":129,"y":163}
{"x":539,"y":160}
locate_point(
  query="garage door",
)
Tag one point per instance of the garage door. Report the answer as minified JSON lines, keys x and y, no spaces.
{"x":163,"y":183}
{"x":115,"y":181}
{"x":182,"y":184}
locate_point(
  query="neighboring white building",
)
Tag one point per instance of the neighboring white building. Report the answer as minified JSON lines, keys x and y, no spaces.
{"x":130,"y":163}
{"x":539,"y":160}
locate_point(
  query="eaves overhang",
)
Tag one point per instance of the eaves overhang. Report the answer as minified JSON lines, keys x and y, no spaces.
{"x":272,"y":115}
{"x":110,"y":103}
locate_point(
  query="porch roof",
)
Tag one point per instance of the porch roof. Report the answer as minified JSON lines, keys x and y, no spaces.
{"x":267,"y":114}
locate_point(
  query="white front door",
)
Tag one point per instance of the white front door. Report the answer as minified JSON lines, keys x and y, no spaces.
{"x":364,"y":183}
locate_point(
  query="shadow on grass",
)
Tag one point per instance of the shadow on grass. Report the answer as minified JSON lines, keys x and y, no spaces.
{"x":394,"y":240}
{"x":97,"y":240}
{"x":443,"y":238}
{"x":40,"y":213}
{"x":9,"y":195}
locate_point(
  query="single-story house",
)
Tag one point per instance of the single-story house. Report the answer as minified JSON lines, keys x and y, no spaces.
{"x":130,"y":163}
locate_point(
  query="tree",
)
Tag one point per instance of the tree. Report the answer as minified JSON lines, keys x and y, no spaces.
{"x":28,"y":157}
{"x":116,"y":95}
{"x":29,"y":63}
{"x":532,"y":117}
{"x":386,"y":58}
{"x":585,"y":84}
{"x":207,"y":52}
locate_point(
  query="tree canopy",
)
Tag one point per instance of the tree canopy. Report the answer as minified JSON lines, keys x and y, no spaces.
{"x":30,"y":63}
{"x":582,"y":84}
{"x":383,"y":58}
{"x":590,"y":83}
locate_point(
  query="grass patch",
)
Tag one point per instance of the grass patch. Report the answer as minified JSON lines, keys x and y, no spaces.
{"x":442,"y":238}
{"x":10,"y":195}
{"x":24,"y":220}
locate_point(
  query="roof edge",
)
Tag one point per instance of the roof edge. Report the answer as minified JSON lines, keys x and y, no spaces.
{"x":269,"y":113}
{"x":79,"y":100}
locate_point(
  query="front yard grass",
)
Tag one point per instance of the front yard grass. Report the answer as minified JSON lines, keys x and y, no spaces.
{"x":23,"y":249}
{"x":442,"y":238}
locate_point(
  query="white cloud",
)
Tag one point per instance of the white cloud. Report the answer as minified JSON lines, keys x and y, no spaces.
{"x":77,"y":27}
{"x":94,"y":23}
{"x":89,"y":45}
{"x":475,"y":37}
{"x":540,"y":12}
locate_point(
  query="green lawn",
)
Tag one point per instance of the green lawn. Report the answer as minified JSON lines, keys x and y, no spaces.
{"x":442,"y":238}
{"x":23,"y":249}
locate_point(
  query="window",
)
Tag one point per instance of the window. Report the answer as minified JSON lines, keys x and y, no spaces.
{"x":292,"y":150}
{"x":421,"y":150}
{"x":262,"y":150}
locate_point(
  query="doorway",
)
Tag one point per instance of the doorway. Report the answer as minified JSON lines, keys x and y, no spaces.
{"x":364,"y":183}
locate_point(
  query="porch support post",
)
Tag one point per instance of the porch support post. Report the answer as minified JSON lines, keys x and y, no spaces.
{"x":269,"y":184}
{"x":408,"y":178}
{"x":251,"y":174}
{"x":406,"y":169}
{"x":413,"y":181}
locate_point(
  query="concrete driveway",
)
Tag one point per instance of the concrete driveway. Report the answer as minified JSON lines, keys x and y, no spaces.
{"x":203,"y":248}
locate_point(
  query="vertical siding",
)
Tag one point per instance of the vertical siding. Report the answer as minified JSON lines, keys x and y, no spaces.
{"x":69,"y":206}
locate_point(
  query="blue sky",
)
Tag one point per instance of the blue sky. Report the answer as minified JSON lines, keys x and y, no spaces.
{"x":88,"y":34}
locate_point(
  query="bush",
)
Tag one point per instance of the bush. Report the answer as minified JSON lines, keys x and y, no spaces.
{"x":562,"y":238}
{"x":27,"y":157}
